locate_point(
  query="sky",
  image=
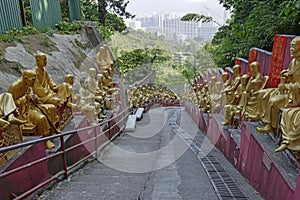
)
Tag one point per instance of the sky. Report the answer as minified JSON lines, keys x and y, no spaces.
{"x":162,"y":6}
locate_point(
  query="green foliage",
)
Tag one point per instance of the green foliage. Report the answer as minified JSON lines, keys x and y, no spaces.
{"x":197,"y":18}
{"x":18,"y":67}
{"x":46,"y":41}
{"x":253,"y":24}
{"x":65,"y":13}
{"x":28,"y":11}
{"x":16,"y":34}
{"x":89,"y":10}
{"x":68,"y":27}
{"x":139,"y":57}
{"x":112,"y":6}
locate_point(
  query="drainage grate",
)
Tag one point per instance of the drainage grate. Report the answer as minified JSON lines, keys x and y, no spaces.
{"x":224,"y":185}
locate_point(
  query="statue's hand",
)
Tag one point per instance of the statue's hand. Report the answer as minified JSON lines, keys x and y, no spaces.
{"x":55,"y":89}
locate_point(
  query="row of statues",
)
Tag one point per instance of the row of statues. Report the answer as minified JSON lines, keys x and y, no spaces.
{"x":33,"y":100}
{"x":96,"y":95}
{"x":144,"y":94}
{"x":247,"y":97}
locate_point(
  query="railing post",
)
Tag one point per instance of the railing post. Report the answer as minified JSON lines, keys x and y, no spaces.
{"x":64,"y":160}
{"x":96,"y":146}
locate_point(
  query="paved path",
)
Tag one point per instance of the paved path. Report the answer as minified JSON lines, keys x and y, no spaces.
{"x":153,"y":163}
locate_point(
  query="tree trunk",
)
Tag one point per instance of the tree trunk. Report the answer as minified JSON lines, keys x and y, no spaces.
{"x":102,"y":11}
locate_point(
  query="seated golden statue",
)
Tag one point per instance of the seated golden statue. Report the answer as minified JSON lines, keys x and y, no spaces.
{"x":107,"y":83}
{"x":86,"y":102}
{"x":249,"y":102}
{"x":67,"y":89}
{"x":215,"y":95}
{"x":8,"y":110}
{"x":286,"y":95}
{"x":229,"y":90}
{"x":91,"y":80}
{"x":205,"y":99}
{"x":44,"y":86}
{"x":29,"y":106}
{"x":226,"y":83}
{"x":290,"y":122}
{"x":230,"y":110}
{"x":103,"y":60}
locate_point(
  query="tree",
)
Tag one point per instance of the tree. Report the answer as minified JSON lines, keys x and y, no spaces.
{"x":138,"y":57}
{"x":253,"y":24}
{"x":117,"y":7}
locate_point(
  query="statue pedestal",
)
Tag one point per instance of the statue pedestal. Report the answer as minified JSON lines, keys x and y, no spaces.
{"x":264,"y":168}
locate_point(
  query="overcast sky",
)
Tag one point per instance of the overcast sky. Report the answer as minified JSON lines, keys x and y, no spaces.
{"x":163,"y":6}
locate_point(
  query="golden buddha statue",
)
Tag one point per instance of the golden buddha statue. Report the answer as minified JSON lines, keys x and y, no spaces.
{"x":249,"y":102}
{"x":86,"y":102}
{"x":67,"y":89}
{"x":103,"y":59}
{"x":226,"y":83}
{"x":108,"y":84}
{"x":8,"y":110}
{"x":44,"y":86}
{"x":215,"y":94}
{"x":231,"y":109}
{"x":229,"y":90}
{"x":205,"y":99}
{"x":290,"y":129}
{"x":28,"y":110}
{"x":91,"y":80}
{"x":286,"y":95}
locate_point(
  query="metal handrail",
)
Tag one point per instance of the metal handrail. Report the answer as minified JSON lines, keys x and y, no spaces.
{"x":118,"y":119}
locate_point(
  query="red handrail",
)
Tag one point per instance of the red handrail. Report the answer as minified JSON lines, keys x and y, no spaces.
{"x":118,"y":119}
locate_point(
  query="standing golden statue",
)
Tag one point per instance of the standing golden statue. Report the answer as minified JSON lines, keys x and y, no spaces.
{"x":28,"y":111}
{"x":286,"y":95}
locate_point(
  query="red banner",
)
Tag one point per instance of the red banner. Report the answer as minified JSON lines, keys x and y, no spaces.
{"x":252,"y":58}
{"x":277,"y":60}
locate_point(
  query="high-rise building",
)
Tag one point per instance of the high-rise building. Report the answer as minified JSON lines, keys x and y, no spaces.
{"x":173,"y":28}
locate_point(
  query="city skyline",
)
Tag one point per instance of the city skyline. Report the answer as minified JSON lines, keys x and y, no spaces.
{"x":143,"y":7}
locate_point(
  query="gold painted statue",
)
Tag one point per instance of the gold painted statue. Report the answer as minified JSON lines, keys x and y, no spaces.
{"x":44,"y":86}
{"x":215,"y":94}
{"x":249,"y":102}
{"x":103,"y":60}
{"x":86,"y":102}
{"x":290,"y":126}
{"x":229,"y":90}
{"x":286,"y":95}
{"x":231,"y":110}
{"x":8,"y":110}
{"x":226,"y":83}
{"x":28,"y":110}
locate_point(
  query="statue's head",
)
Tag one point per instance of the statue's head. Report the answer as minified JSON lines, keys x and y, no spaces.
{"x":29,"y":77}
{"x":225,"y":76}
{"x":41,"y":59}
{"x":244,"y":80}
{"x":92,"y":72}
{"x":213,"y":80}
{"x":255,"y":67}
{"x":295,"y":47}
{"x":236,"y":70}
{"x":69,"y":79}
